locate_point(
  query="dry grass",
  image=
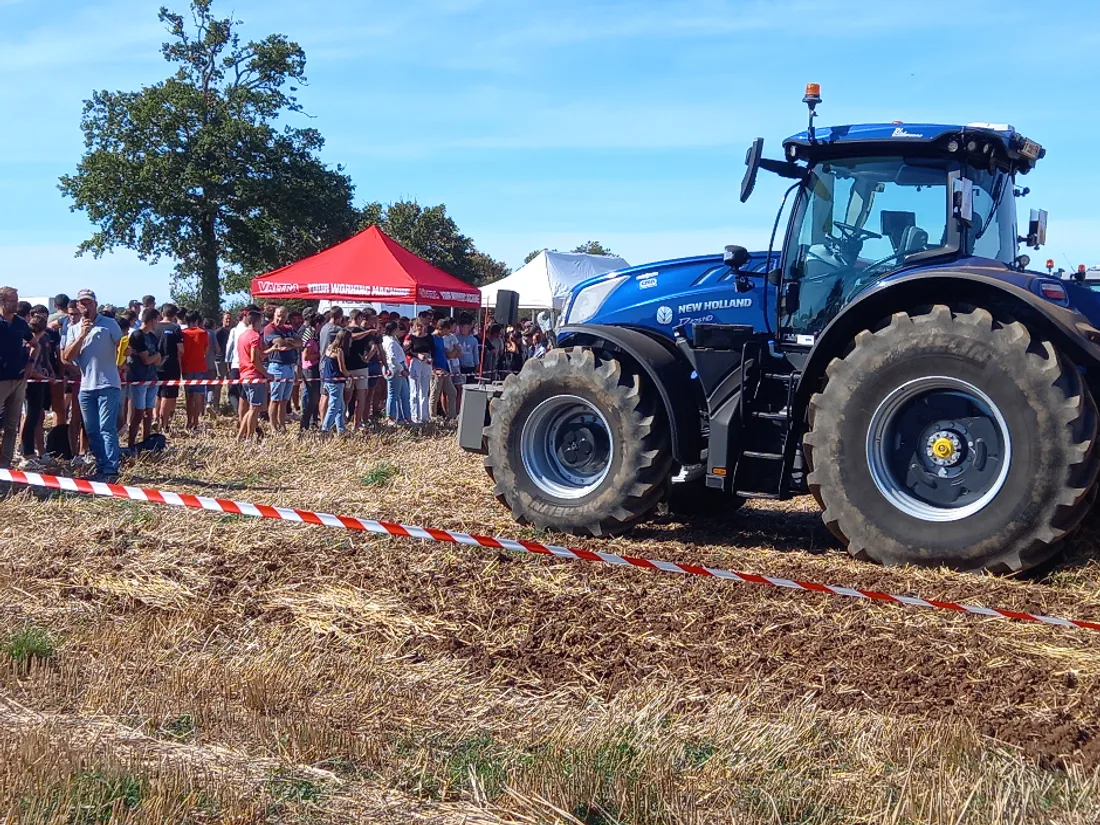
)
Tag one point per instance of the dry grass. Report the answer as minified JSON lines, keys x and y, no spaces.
{"x":206,"y":668}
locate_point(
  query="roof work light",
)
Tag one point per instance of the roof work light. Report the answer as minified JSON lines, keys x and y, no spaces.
{"x":811,"y":99}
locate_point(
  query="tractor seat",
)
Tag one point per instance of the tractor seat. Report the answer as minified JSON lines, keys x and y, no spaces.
{"x":913,"y":239}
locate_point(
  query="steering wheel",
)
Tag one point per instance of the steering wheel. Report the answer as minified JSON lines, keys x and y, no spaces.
{"x":855,"y":233}
{"x":847,"y":246}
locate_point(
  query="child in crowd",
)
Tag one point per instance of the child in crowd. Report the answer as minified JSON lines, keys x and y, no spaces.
{"x":125,"y":321}
{"x":454,"y":351}
{"x":420,"y":372}
{"x":196,"y":343}
{"x":38,"y":394}
{"x":333,"y":367}
{"x":142,"y":359}
{"x":311,"y":368}
{"x":397,"y":375}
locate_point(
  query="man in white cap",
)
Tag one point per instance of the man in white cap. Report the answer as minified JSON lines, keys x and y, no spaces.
{"x":93,"y":346}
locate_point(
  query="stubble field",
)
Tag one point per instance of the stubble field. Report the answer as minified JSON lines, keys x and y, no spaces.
{"x":162,"y":665}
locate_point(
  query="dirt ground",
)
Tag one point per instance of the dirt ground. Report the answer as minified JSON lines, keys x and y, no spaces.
{"x":168,"y":665}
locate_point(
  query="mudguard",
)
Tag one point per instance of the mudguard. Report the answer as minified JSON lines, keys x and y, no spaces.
{"x":1071,"y":331}
{"x":666,"y":369}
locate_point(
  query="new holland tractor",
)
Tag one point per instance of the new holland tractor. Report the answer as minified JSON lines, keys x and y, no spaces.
{"x":893,"y":356}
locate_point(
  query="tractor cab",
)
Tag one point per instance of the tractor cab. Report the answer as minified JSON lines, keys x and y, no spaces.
{"x":876,"y":199}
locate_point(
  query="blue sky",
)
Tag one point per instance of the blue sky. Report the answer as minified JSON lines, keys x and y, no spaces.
{"x":547,"y":124}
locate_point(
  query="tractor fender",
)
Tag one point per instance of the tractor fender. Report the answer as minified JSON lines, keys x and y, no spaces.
{"x":666,"y":370}
{"x":1070,"y":331}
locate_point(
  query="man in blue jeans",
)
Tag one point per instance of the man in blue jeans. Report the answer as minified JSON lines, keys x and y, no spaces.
{"x":397,"y":377}
{"x":92,"y":345}
{"x":280,"y":346}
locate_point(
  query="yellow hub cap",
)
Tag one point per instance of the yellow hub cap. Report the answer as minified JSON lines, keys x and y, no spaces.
{"x":943,"y":448}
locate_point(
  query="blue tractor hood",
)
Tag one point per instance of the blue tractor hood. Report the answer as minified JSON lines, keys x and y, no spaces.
{"x":658,"y":297}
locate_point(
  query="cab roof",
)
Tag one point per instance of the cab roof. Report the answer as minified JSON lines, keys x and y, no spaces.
{"x":996,"y":143}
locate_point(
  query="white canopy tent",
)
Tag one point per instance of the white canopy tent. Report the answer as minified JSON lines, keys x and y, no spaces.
{"x":544,"y":282}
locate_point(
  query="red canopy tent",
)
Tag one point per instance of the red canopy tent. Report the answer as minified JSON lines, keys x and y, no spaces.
{"x":367,"y":266}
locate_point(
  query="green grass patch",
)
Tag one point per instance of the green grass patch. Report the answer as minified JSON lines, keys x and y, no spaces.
{"x":614,"y":760}
{"x":484,"y":758}
{"x":380,"y":474}
{"x":27,"y":645}
{"x":95,"y":795}
{"x":181,"y":728}
{"x":286,"y":787}
{"x":697,"y":753}
{"x":88,"y":797}
{"x":440,"y":767}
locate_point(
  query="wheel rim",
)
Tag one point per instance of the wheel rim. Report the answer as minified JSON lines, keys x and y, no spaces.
{"x":566,"y":447}
{"x":938,"y":449}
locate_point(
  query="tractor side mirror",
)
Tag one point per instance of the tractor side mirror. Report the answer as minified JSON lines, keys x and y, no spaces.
{"x":1037,"y":228}
{"x":775,"y":277}
{"x":735,"y":257}
{"x":752,"y":162}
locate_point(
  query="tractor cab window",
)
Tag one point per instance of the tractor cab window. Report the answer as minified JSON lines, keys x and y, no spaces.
{"x":856,"y":221}
{"x":992,"y":233}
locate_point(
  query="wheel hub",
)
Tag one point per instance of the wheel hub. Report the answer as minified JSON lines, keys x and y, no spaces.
{"x":566,"y":447}
{"x":577,"y":446}
{"x":938,"y":448}
{"x":944,"y":448}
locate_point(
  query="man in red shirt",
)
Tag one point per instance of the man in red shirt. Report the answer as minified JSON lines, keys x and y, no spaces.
{"x":250,"y":359}
{"x":196,"y":340}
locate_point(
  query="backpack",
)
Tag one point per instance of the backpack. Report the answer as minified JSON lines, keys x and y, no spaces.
{"x":57,"y":443}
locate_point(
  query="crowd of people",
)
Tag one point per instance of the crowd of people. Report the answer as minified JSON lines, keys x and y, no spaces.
{"x":93,"y":368}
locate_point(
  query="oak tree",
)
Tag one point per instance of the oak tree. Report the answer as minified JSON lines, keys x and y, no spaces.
{"x":197,"y":167}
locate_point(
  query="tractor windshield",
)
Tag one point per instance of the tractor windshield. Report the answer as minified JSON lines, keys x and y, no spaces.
{"x":856,"y":221}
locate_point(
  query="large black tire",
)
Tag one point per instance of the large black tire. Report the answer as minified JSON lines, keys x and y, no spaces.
{"x":1051,"y":421}
{"x":640,"y":459}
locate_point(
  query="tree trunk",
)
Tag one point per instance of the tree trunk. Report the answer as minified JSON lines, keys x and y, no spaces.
{"x":210,"y":294}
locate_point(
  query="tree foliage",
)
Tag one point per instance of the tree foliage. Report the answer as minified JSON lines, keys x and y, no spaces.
{"x":593,"y":248}
{"x":588,"y":248}
{"x":195,"y":168}
{"x":431,"y":233}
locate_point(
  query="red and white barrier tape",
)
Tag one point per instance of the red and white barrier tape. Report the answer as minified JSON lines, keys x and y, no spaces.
{"x":241,"y":508}
{"x":195,"y":382}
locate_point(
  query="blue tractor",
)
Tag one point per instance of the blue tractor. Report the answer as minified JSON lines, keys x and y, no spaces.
{"x":894,"y":357}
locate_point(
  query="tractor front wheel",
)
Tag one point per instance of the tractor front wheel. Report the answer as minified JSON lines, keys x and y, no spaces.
{"x":950,"y":438}
{"x":576,"y":445}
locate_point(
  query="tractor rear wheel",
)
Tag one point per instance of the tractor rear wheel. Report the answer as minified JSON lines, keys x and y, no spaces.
{"x":950,"y":438}
{"x":577,"y":445}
